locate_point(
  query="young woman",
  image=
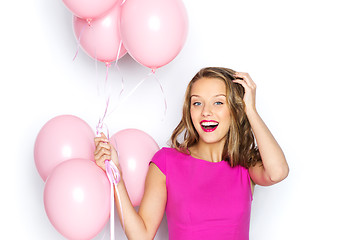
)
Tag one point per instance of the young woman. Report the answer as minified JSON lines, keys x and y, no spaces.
{"x":205,"y":181}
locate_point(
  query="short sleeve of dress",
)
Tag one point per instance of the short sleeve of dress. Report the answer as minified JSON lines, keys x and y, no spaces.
{"x":159,"y":159}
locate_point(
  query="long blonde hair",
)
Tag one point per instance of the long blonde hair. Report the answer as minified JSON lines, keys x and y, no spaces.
{"x":240,"y":148}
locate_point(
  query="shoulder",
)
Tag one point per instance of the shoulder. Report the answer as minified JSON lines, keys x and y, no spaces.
{"x":160,"y":158}
{"x":167,"y":152}
{"x":168,"y":157}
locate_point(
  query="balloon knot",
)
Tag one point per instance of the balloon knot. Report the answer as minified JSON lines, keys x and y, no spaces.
{"x":89,"y":21}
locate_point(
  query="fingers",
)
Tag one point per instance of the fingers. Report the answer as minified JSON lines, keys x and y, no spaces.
{"x":102,"y":146}
{"x":241,"y":82}
{"x":101,"y":161}
{"x":102,"y":151}
{"x":246,"y":79}
{"x":248,"y":84}
{"x":102,"y":138}
{"x":99,"y":152}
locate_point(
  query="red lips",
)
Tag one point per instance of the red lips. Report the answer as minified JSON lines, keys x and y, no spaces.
{"x":208,"y":125}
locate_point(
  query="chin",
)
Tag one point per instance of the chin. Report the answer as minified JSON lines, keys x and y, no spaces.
{"x":212,"y":140}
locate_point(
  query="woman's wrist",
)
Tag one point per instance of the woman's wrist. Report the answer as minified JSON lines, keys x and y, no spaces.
{"x":251,"y":111}
{"x":120,"y":172}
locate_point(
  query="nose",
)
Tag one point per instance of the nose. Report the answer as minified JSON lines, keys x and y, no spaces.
{"x":206,"y":111}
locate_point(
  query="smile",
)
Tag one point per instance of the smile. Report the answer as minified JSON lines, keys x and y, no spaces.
{"x":209,"y":125}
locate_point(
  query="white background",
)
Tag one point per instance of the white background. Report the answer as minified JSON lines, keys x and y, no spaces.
{"x":290,"y":48}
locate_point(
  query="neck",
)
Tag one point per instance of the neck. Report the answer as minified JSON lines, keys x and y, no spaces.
{"x":211,"y":152}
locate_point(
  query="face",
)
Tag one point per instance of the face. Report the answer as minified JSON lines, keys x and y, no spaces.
{"x":210,"y":112}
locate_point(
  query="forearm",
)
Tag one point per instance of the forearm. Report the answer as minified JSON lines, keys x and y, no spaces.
{"x":132,"y":221}
{"x":273,"y":158}
{"x":135,"y":227}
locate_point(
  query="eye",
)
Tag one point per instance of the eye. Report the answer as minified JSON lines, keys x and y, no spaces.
{"x":196,"y":104}
{"x":218,"y":103}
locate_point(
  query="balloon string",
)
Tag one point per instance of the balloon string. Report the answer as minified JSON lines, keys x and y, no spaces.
{"x":101,"y":123}
{"x":112,"y":203}
{"x":96,"y":75}
{"x":163,"y":93}
{"x":108,"y":64}
{"x":122,"y":82}
{"x":113,"y":175}
{"x":78,"y":42}
{"x":118,"y":53}
{"x":120,"y":94}
{"x":130,"y":93}
{"x":136,"y":87}
{"x":117,"y":67}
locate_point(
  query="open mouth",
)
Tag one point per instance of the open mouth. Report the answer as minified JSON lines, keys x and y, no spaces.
{"x":209,"y":126}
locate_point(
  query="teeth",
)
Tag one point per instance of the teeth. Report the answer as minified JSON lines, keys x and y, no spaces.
{"x":208,"y":124}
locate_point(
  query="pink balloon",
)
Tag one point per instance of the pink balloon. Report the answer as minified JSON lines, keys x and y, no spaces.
{"x":89,"y":9}
{"x":153,"y":31}
{"x":101,"y":39}
{"x":62,"y":138}
{"x":77,"y":199}
{"x":136,"y":149}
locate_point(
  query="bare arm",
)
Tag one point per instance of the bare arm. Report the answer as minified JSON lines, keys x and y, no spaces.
{"x":274,"y":167}
{"x":143,"y":224}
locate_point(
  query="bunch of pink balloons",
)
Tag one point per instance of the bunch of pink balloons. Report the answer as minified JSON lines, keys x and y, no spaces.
{"x":77,"y":193}
{"x":153,"y":32}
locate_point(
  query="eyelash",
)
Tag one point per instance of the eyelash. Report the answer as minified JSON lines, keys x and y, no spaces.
{"x":199,"y":103}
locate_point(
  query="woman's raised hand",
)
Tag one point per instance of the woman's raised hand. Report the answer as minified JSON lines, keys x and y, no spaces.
{"x":104,"y":151}
{"x":250,"y":89}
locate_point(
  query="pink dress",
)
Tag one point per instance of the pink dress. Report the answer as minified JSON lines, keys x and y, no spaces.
{"x":205,"y":200}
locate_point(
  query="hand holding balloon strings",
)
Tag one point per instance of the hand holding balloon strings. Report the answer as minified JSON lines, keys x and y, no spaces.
{"x":105,"y":151}
{"x":106,"y":157}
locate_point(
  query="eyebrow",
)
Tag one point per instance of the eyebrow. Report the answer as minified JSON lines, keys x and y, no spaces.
{"x":218,"y":95}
